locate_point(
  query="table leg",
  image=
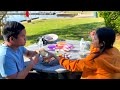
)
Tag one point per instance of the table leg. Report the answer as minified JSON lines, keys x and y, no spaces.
{"x":61,"y":76}
{"x":74,"y":75}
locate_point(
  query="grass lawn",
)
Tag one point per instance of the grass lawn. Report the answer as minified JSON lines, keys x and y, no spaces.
{"x":65,"y":28}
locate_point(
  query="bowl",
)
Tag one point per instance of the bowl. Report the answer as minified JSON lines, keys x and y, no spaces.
{"x":50,"y":37}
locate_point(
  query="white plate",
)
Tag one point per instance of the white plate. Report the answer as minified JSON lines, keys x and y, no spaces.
{"x":50,"y":37}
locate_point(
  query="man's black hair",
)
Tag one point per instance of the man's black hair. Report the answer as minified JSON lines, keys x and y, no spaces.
{"x":12,"y":28}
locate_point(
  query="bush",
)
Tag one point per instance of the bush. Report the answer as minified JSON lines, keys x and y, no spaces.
{"x":112,"y":19}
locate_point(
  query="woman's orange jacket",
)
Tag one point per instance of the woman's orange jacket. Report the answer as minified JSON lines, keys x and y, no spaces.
{"x":105,"y":66}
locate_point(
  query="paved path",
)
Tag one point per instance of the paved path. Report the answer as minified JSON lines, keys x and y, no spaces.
{"x":84,"y":16}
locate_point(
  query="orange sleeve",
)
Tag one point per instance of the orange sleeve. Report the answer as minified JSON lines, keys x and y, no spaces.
{"x":72,"y":65}
{"x":76,"y":65}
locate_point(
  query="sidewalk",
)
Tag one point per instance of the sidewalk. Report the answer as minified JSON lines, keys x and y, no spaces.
{"x":84,"y":16}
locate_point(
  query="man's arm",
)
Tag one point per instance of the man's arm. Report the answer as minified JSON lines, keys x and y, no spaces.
{"x":22,"y":74}
{"x":30,"y":54}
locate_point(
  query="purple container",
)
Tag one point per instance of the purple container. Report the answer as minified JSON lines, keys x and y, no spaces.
{"x":52,"y":47}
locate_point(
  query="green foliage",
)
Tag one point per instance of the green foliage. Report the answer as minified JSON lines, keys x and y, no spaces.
{"x":112,"y":19}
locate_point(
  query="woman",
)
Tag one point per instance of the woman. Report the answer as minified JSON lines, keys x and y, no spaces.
{"x":103,"y":61}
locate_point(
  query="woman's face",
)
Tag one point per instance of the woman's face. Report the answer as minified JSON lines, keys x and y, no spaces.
{"x":95,"y":41}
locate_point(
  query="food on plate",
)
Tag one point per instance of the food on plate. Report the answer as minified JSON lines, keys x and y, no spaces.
{"x":43,"y":52}
{"x":60,"y":44}
{"x":68,"y":47}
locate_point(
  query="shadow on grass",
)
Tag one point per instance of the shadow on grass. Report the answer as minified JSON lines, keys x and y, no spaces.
{"x":75,"y":32}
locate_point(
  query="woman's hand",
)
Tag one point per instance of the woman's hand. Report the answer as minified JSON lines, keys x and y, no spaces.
{"x":50,"y":56}
{"x":92,"y":34}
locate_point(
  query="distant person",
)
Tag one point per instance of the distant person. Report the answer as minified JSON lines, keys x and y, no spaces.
{"x":27,"y":14}
{"x":81,"y":12}
{"x":103,"y":62}
{"x":12,"y":52}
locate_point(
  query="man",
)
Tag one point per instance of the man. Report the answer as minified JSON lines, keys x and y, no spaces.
{"x":12,"y":52}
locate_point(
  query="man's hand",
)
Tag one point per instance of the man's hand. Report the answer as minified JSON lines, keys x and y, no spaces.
{"x":51,"y":55}
{"x":34,"y":59}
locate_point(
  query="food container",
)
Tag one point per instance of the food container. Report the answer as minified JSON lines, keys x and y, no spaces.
{"x":60,"y":44}
{"x":52,"y":47}
{"x":68,"y":47}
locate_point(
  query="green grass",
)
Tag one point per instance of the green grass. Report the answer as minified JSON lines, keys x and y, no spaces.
{"x":65,"y":28}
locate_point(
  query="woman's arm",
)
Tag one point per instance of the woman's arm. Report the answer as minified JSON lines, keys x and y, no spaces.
{"x":78,"y":65}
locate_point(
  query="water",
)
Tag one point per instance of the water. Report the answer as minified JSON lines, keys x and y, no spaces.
{"x":20,"y":18}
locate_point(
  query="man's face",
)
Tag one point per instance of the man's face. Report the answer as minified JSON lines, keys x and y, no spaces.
{"x":21,"y":39}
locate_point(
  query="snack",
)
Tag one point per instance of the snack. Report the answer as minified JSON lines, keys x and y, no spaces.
{"x":43,"y":53}
{"x":60,"y":44}
{"x":68,"y":47}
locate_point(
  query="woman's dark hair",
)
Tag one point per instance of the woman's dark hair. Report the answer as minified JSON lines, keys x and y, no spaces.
{"x":11,"y":28}
{"x":106,"y":37}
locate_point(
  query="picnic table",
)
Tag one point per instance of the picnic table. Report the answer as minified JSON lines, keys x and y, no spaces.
{"x":57,"y":69}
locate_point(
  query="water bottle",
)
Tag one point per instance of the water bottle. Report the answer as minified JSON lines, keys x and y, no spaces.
{"x":82,"y":45}
{"x":43,"y":53}
{"x":40,"y":43}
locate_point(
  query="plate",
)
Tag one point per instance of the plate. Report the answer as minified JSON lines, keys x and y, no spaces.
{"x":53,"y":62}
{"x":50,"y":37}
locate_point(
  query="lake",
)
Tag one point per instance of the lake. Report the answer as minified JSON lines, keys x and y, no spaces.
{"x":20,"y":18}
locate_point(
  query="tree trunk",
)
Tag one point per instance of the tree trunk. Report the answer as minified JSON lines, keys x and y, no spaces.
{"x":2,"y":15}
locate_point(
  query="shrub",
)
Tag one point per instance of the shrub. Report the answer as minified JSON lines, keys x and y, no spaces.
{"x":112,"y":19}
